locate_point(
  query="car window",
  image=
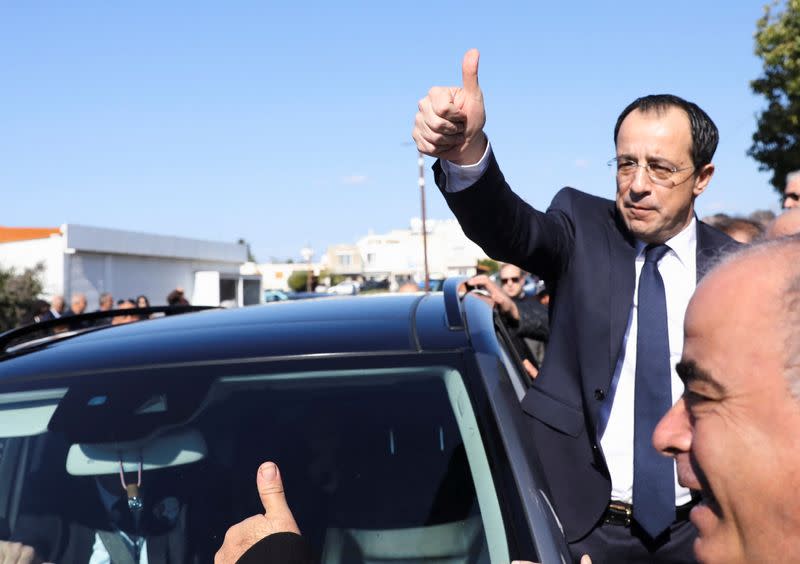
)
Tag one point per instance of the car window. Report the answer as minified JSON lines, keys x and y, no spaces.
{"x":378,"y":464}
{"x":511,"y":359}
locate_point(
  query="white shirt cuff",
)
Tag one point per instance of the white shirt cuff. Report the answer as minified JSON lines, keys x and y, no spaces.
{"x":460,"y":177}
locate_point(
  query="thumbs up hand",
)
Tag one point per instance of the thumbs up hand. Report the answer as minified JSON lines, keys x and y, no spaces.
{"x":450,"y":120}
{"x":277,"y":518}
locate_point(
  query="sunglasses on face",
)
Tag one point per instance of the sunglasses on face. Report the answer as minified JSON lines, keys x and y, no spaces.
{"x":513,"y":280}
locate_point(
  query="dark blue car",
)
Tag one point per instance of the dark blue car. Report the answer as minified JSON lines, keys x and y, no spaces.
{"x":394,"y":419}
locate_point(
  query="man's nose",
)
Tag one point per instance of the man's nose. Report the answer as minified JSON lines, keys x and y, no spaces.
{"x":673,"y":434}
{"x":640,"y":180}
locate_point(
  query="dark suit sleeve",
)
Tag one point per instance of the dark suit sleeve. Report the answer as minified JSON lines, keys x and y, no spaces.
{"x":279,"y":548}
{"x":509,"y":229}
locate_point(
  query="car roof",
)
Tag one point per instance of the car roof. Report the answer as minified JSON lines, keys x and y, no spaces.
{"x":342,"y":325}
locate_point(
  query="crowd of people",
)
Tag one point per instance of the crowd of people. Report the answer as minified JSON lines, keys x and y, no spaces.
{"x":56,"y":309}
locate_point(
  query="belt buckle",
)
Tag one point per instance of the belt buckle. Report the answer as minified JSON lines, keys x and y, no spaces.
{"x":619,"y":513}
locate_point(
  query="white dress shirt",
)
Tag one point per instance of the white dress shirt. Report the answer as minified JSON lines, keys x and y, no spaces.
{"x":100,"y":553}
{"x":678,"y":269}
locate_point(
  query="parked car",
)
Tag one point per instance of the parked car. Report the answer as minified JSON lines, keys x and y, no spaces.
{"x":375,"y":285}
{"x":395,"y":421}
{"x":346,"y":288}
{"x":275,"y":296}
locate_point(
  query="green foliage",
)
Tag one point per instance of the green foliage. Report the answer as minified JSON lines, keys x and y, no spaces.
{"x":297,"y":280}
{"x":490,"y":266}
{"x":17,"y":292}
{"x":776,"y":142}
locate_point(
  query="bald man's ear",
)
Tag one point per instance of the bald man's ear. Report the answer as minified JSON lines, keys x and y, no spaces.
{"x":703,"y":178}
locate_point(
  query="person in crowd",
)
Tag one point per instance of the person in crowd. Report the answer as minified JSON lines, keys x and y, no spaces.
{"x":122,"y":319}
{"x":77,"y":305}
{"x":408,"y":287}
{"x":734,"y":431}
{"x":38,"y":311}
{"x":740,"y":229}
{"x":762,"y":217}
{"x":56,"y":308}
{"x":621,"y":274}
{"x":791,"y":194}
{"x":717,"y":220}
{"x":105,"y":303}
{"x":177,"y":298}
{"x":142,"y":301}
{"x":533,"y":315}
{"x":527,"y":317}
{"x":788,"y":223}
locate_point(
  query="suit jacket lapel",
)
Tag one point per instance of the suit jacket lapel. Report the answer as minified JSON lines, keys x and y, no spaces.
{"x":707,"y":251}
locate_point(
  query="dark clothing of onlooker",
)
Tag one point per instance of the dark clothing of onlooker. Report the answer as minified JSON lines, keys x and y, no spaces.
{"x":176,"y":297}
{"x":533,"y":329}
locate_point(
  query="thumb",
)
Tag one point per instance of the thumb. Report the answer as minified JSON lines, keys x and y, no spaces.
{"x":585,"y":559}
{"x":270,"y":490}
{"x":469,"y":71}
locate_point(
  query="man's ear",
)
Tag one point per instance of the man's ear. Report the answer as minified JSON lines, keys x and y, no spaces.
{"x":703,"y":178}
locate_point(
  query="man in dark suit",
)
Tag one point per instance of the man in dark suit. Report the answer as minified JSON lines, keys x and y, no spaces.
{"x":87,"y":520}
{"x":620,"y":274}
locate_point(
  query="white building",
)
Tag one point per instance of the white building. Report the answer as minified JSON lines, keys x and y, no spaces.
{"x":398,"y":254}
{"x":79,"y":258}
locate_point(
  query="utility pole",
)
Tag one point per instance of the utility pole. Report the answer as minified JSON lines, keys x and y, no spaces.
{"x":421,"y":162}
{"x":307,"y":252}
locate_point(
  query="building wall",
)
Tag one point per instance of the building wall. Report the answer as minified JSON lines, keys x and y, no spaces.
{"x":116,"y":241}
{"x":127,"y":276}
{"x":95,"y":260}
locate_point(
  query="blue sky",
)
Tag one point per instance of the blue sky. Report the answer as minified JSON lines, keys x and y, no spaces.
{"x":288,"y":123}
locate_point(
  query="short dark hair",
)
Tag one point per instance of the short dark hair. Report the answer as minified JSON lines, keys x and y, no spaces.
{"x":705,"y":134}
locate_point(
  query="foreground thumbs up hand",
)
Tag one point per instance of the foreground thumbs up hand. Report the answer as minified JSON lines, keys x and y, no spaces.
{"x":277,"y":518}
{"x":450,"y":120}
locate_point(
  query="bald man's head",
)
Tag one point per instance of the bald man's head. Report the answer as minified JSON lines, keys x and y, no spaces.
{"x":734,"y":431}
{"x":788,"y":223}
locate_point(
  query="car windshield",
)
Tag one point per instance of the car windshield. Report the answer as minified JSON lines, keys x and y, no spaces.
{"x":379,"y":464}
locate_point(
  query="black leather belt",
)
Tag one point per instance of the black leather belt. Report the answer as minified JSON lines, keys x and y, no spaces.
{"x":621,"y":513}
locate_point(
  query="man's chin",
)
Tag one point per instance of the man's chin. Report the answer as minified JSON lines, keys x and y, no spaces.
{"x":710,"y":546}
{"x":641,"y":230}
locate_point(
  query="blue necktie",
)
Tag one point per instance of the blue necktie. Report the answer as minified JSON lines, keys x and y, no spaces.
{"x":653,"y":474}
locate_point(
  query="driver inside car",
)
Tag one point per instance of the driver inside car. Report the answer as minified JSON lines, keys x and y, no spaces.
{"x":91,"y":520}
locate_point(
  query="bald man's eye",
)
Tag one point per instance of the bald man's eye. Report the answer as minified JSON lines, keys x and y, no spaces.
{"x":696,"y":400}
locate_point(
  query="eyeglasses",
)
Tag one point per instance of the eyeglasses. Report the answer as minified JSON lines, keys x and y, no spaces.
{"x":513,"y":280}
{"x":660,"y":173}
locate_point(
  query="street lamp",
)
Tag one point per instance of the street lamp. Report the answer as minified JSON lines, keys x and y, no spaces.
{"x":307,"y":252}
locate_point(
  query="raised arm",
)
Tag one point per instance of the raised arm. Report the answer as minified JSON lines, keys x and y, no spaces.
{"x":449,"y":126}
